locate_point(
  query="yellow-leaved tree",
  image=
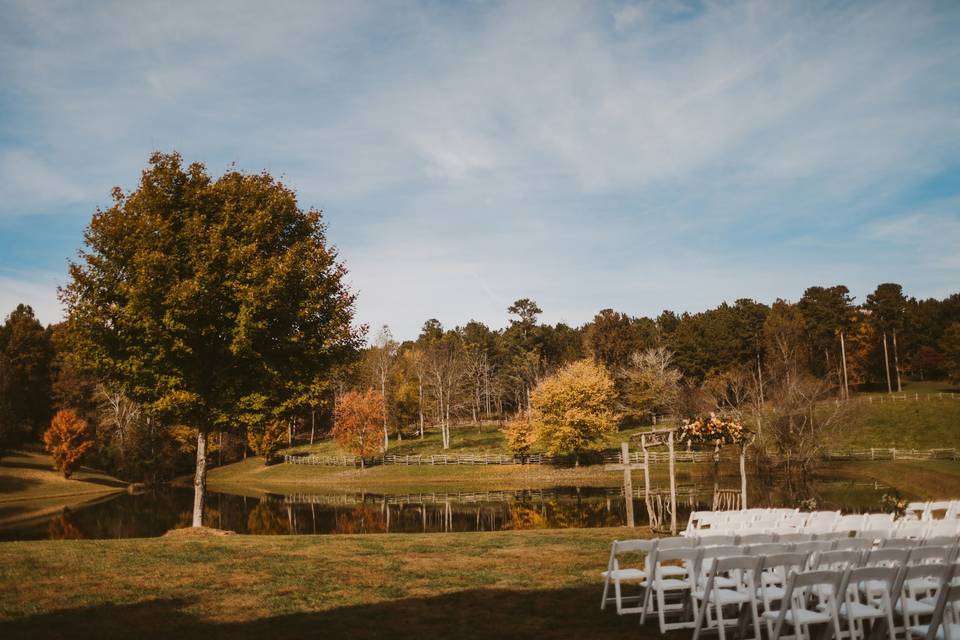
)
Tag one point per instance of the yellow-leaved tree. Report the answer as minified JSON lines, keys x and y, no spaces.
{"x":520,"y":434}
{"x":573,"y":410}
{"x":267,"y":439}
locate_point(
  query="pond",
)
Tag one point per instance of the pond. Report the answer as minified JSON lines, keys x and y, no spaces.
{"x":153,"y":513}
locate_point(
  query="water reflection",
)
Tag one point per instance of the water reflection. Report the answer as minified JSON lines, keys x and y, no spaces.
{"x":152,"y":514}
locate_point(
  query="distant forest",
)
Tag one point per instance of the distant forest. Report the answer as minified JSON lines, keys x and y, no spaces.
{"x":471,"y":372}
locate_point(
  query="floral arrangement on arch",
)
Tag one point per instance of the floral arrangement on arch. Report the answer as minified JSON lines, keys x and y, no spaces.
{"x":714,"y":429}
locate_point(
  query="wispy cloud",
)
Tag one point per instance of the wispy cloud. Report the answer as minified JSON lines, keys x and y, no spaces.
{"x":632,"y":154}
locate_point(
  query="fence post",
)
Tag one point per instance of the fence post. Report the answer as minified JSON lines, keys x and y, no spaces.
{"x":894,"y":452}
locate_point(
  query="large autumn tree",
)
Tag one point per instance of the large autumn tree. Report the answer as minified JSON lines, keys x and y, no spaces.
{"x":212,"y":302}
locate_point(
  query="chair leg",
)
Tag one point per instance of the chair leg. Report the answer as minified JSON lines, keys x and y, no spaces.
{"x":661,"y":606}
{"x":647,"y":598}
{"x":616,"y":594}
{"x":720,"y":626}
{"x":606,"y":588}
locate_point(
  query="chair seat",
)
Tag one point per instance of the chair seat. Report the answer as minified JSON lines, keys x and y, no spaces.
{"x":922,"y":629}
{"x":624,"y":574}
{"x":859,"y":611}
{"x":670,"y":584}
{"x":671,"y":571}
{"x":724,"y":596}
{"x":771,"y":592}
{"x":721,"y":582}
{"x":913,"y":607}
{"x":797,"y":617}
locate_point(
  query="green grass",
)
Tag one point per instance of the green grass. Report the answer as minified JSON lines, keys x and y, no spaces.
{"x":31,"y":489}
{"x":916,"y":480}
{"x":478,"y":585}
{"x":911,"y":424}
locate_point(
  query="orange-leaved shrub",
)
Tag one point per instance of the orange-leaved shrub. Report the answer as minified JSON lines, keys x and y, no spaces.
{"x":67,"y":440}
{"x":357,"y":419}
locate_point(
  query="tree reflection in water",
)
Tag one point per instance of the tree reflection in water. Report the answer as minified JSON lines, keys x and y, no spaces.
{"x":154,"y":513}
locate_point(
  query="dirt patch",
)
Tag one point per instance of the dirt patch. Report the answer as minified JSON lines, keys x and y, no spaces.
{"x":196,"y":532}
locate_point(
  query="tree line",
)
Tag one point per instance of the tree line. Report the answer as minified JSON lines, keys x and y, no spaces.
{"x":207,"y":318}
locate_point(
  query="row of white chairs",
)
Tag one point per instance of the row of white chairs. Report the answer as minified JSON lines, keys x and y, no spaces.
{"x":816,"y":522}
{"x":934,"y":510}
{"x":904,"y":581}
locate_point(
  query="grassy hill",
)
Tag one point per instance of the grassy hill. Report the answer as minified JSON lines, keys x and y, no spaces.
{"x":31,"y":489}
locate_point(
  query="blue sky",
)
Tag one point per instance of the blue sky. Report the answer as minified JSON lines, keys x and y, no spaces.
{"x":639,"y":156}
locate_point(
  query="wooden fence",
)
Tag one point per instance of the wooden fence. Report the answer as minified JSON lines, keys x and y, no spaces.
{"x":608,"y":457}
{"x":894,"y":454}
{"x":886,"y":398}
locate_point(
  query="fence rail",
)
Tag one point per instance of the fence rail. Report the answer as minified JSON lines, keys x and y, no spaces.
{"x":608,"y":457}
{"x":894,"y":454}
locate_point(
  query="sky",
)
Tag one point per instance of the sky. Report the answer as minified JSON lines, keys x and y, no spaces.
{"x":639,"y":156}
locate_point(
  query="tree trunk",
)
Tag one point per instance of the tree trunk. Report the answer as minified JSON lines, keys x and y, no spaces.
{"x":313,"y":424}
{"x":843,"y":353}
{"x":886,"y":362}
{"x":200,"y":478}
{"x":420,"y":402}
{"x":760,"y":377}
{"x":896,"y":361}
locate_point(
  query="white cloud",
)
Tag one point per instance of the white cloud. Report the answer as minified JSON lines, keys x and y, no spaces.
{"x":37,"y":290}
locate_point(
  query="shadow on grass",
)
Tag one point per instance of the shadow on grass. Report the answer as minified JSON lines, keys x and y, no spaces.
{"x":477,"y":613}
{"x":14,"y":484}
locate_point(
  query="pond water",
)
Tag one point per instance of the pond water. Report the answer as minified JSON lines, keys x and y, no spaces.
{"x":153,"y":513}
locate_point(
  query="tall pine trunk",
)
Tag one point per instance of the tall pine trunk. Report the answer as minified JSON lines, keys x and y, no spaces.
{"x":200,"y":479}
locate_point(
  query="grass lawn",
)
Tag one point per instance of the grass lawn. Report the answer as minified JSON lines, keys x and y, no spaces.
{"x":30,"y":488}
{"x":918,"y":480}
{"x":253,"y":476}
{"x":543,"y":584}
{"x":911,"y":424}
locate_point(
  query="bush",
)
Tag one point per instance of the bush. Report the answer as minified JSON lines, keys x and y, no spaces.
{"x":67,"y":440}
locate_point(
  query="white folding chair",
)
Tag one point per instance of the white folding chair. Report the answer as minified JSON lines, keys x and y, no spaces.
{"x":868,"y":594}
{"x":876,"y":521}
{"x":911,"y":603}
{"x":939,"y":510}
{"x":900,"y":543}
{"x":799,"y":606}
{"x":756,"y":538}
{"x":916,"y":511}
{"x":886,"y":557}
{"x":910,"y":529}
{"x":743,"y":572}
{"x":617,"y":574}
{"x":773,"y":579}
{"x":678,"y":587}
{"x":849,"y":523}
{"x":945,"y":620}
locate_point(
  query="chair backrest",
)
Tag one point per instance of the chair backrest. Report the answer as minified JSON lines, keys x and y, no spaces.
{"x":794,"y":537}
{"x":806,"y":579}
{"x":813,"y":546}
{"x":676,"y":542}
{"x":853,"y":544}
{"x":688,"y":556}
{"x":783,"y":564}
{"x":836,"y":560}
{"x":916,"y":510}
{"x":876,"y":521}
{"x":755,"y":538}
{"x":715,"y":541}
{"x":746,"y":568}
{"x":943,"y":528}
{"x":767,"y":549}
{"x":939,"y":572}
{"x":910,"y":529}
{"x":832,"y":535}
{"x":938,"y":509}
{"x":849,"y":523}
{"x":633,"y":546}
{"x":886,"y":558}
{"x":899,"y":543}
{"x":875,"y":534}
{"x":940,"y":541}
{"x":930,"y":555}
{"x":868,"y":580}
